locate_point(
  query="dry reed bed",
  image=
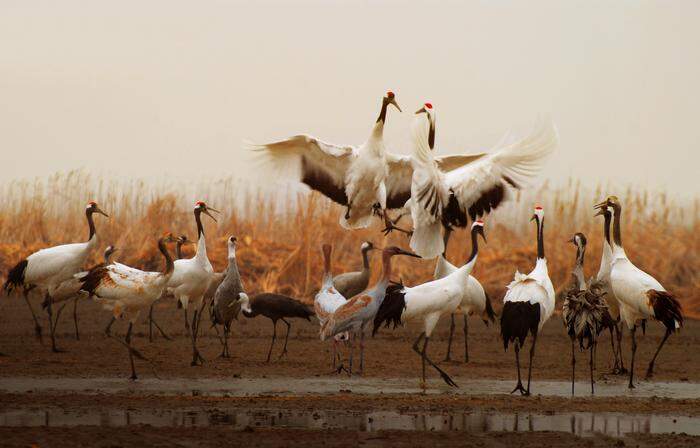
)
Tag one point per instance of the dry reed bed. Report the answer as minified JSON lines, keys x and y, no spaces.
{"x":280,"y":235}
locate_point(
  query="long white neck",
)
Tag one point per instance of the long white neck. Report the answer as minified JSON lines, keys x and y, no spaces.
{"x":420,"y":131}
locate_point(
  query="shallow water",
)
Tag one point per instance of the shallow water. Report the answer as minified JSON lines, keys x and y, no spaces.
{"x":243,"y":387}
{"x":580,"y":423}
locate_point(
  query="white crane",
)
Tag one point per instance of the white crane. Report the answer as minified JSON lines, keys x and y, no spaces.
{"x":328,"y":299}
{"x":50,"y":267}
{"x":602,"y":282}
{"x":428,"y":302}
{"x":126,"y":291}
{"x":354,"y":315}
{"x":528,"y":304}
{"x":192,"y":277}
{"x":475,"y":299}
{"x":353,"y":176}
{"x":446,"y":191}
{"x":639,"y":294}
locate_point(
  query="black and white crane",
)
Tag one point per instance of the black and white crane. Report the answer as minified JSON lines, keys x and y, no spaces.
{"x":275,"y":307}
{"x":48,"y":268}
{"x":584,"y":312}
{"x":428,"y":302}
{"x":639,"y":294}
{"x":528,"y":304}
{"x":474,"y":301}
{"x":126,"y":291}
{"x":226,"y":304}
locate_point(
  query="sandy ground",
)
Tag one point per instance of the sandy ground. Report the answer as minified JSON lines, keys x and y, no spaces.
{"x":388,"y":355}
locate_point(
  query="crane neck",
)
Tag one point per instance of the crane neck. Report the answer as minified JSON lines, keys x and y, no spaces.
{"x":91,"y":223}
{"x":201,"y":241}
{"x":617,"y":234}
{"x":365,"y":259}
{"x":540,"y":237}
{"x":578,"y":268}
{"x":327,"y":274}
{"x":445,"y":240}
{"x":169,"y":265}
{"x":606,"y":225}
{"x":382,"y":113}
{"x":178,"y":250}
{"x":475,"y":245}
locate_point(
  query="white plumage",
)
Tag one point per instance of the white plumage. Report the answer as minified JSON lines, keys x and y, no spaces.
{"x":328,"y":299}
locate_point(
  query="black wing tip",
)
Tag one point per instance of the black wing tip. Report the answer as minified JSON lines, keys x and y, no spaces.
{"x":15,"y":276}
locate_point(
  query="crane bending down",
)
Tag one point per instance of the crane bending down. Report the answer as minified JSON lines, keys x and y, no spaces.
{"x":191,"y":278}
{"x":126,"y":291}
{"x":428,"y":302}
{"x":50,"y":267}
{"x":475,"y":299}
{"x":353,"y":315}
{"x":585,"y":312}
{"x":446,"y":191}
{"x":639,"y":294}
{"x":226,"y":304}
{"x":527,"y":305}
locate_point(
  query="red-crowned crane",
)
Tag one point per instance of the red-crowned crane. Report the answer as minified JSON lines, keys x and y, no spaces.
{"x":50,"y":267}
{"x":353,"y":176}
{"x":126,"y":291}
{"x":446,"y":191}
{"x":475,"y":299}
{"x":528,"y":304}
{"x":353,"y":315}
{"x":585,"y":312}
{"x":191,"y":278}
{"x":640,"y":295}
{"x":428,"y":302}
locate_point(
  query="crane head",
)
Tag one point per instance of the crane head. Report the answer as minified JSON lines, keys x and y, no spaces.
{"x":202,"y":207}
{"x":579,"y":240}
{"x":367,"y":246}
{"x":429,"y":111}
{"x":478,"y":228}
{"x":92,"y":207}
{"x":610,"y":201}
{"x":390,"y":98}
{"x":539,"y":213}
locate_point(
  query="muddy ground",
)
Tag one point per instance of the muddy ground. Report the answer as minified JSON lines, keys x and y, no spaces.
{"x":388,"y":355}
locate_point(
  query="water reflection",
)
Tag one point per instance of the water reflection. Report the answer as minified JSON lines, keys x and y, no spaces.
{"x":580,"y":423}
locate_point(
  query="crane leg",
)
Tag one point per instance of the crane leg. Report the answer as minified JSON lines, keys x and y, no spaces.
{"x":573,"y":366}
{"x":592,"y":349}
{"x":108,"y":329}
{"x":351,"y":344}
{"x":650,"y":370}
{"x":425,"y":359}
{"x":52,"y":324}
{"x":150,"y":322}
{"x":187,"y":323}
{"x":37,"y":326}
{"x":518,"y":387}
{"x":466,"y":339}
{"x":619,"y":349}
{"x":274,"y":336}
{"x":286,"y":338}
{"x":532,"y":357}
{"x":196,"y":357}
{"x":362,"y":351}
{"x":449,"y":339}
{"x":634,"y":350}
{"x":227,"y":332}
{"x":616,"y":360}
{"x":127,"y":339}
{"x":75,"y":318}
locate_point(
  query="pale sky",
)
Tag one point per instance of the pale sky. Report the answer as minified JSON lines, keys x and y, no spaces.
{"x":171,"y":88}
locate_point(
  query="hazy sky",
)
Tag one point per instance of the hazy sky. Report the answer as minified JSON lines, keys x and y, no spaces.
{"x":170,"y":88}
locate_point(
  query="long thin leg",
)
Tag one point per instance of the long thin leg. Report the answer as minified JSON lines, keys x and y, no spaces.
{"x":227,"y":332}
{"x":619,"y":348}
{"x":37,"y":326}
{"x":449,"y":339}
{"x":532,"y":357}
{"x":127,"y":339}
{"x":274,"y":336}
{"x":420,"y":353}
{"x":445,"y":377}
{"x":150,"y":322}
{"x":466,"y":339}
{"x":362,"y":351}
{"x":634,"y":350}
{"x":108,"y":329}
{"x":49,"y":310}
{"x":286,"y":338}
{"x":75,"y":317}
{"x":616,"y":361}
{"x":187,"y":323}
{"x":573,"y":366}
{"x":196,"y":357}
{"x":519,"y":386}
{"x":650,"y":370}
{"x":592,"y":349}
{"x":351,"y":343}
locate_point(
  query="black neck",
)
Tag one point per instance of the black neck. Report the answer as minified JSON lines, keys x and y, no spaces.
{"x":431,"y":136}
{"x":178,"y":250}
{"x":445,"y":240}
{"x":382,"y":113}
{"x":617,"y":237}
{"x":540,"y":237}
{"x":91,"y":223}
{"x":365,"y":259}
{"x":606,"y":225}
{"x":198,"y":218}
{"x":108,"y":254}
{"x":475,"y":244}
{"x":169,"y":265}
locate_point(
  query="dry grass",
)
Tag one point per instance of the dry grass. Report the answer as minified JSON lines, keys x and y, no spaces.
{"x":281,"y":234}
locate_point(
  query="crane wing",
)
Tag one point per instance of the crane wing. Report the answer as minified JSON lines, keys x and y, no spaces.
{"x":320,"y":165}
{"x":483,"y":184}
{"x":398,"y":180}
{"x":449,"y":163}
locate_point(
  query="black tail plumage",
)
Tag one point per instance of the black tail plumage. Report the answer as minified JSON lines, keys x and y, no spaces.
{"x":517,"y":320}
{"x":15,"y":277}
{"x":92,"y":280}
{"x":392,"y":307}
{"x":490,"y":313}
{"x":667,"y":309}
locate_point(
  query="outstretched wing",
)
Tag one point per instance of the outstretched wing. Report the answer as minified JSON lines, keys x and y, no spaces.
{"x":320,"y":165}
{"x":398,"y":181}
{"x":483,"y":184}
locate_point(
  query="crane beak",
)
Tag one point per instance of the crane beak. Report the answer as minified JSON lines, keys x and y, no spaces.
{"x":601,"y":204}
{"x":601,"y":211}
{"x":208,"y":209}
{"x":483,"y":236}
{"x":395,"y":104}
{"x":410,"y":254}
{"x":99,"y":210}
{"x":534,"y":217}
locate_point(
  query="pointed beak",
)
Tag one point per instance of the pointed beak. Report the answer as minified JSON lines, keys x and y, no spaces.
{"x":571,"y":240}
{"x":208,"y":209}
{"x":483,"y":236}
{"x":410,"y":254}
{"x":395,"y":104}
{"x":601,"y":204}
{"x":601,"y":211}
{"x":99,"y":210}
{"x":534,"y":217}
